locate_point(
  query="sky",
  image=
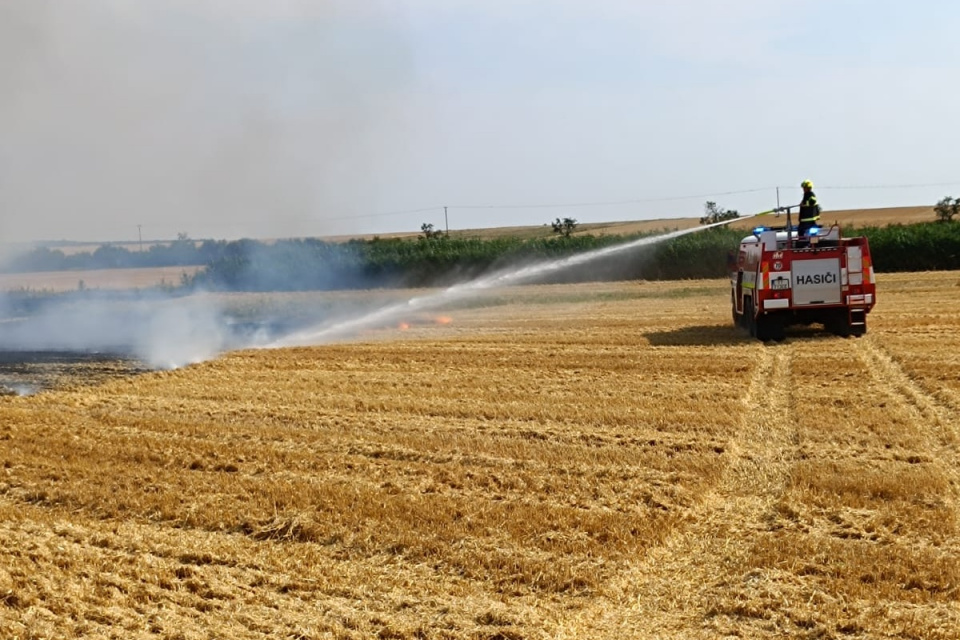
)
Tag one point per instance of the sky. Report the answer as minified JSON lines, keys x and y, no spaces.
{"x":242,"y":118}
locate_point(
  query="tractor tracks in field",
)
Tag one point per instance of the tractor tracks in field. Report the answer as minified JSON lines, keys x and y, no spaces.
{"x":668,"y":594}
{"x":935,"y":420}
{"x":889,"y":373}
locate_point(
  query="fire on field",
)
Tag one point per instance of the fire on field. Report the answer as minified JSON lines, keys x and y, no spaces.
{"x":564,"y":461}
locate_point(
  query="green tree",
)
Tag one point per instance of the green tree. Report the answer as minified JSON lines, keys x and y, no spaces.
{"x":429,"y":232}
{"x":714,"y":214}
{"x":947,"y":208}
{"x":564,"y":227}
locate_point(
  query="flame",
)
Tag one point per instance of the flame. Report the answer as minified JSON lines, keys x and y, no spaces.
{"x":403,"y":326}
{"x":443,"y":320}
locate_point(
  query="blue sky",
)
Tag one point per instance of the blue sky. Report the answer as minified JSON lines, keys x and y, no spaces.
{"x":249,"y":119}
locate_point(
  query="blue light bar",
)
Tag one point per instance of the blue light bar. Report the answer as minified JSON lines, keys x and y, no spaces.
{"x":758,"y":230}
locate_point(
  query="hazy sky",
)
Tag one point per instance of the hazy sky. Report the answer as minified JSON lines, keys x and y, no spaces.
{"x":247,"y":118}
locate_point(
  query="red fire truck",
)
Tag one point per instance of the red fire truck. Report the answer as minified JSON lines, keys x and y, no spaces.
{"x":780,"y":279}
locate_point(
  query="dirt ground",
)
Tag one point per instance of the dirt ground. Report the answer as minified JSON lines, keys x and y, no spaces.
{"x":581,"y":461}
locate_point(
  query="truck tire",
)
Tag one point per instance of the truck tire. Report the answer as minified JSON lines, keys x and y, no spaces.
{"x":750,"y":321}
{"x":739,"y":319}
{"x":840,"y":326}
{"x":858,"y":330}
{"x":769,"y":328}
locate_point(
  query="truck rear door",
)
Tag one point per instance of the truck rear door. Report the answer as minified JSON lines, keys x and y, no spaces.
{"x":816,"y":281}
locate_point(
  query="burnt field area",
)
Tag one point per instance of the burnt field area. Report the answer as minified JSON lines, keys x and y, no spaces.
{"x":563,"y":461}
{"x":25,"y":372}
{"x":52,"y":341}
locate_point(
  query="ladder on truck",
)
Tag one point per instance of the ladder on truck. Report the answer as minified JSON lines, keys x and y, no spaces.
{"x":857,"y":317}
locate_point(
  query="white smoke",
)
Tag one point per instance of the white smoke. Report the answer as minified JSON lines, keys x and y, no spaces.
{"x":162,"y":332}
{"x":181,"y":332}
{"x":347,"y":328}
{"x":214,"y":118}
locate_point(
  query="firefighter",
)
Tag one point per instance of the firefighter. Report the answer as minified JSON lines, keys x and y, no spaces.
{"x":809,"y":209}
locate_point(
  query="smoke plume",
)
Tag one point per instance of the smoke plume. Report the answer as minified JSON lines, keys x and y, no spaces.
{"x":214,"y":118}
{"x":163,"y":332}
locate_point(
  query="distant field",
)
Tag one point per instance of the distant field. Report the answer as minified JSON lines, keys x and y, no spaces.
{"x":94,"y":279}
{"x":74,"y":248}
{"x":609,"y":460}
{"x":133,"y":278}
{"x":858,"y":217}
{"x":866,"y":217}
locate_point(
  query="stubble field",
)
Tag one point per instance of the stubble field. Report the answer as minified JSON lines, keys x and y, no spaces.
{"x":587,"y":461}
{"x":57,"y":281}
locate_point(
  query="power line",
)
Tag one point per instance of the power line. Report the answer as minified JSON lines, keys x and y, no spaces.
{"x":888,"y":186}
{"x":555,"y":205}
{"x":616,"y":203}
{"x":386,"y":214}
{"x":608,"y":203}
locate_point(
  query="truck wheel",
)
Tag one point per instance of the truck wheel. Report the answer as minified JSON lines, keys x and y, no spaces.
{"x":739,"y":319}
{"x":749,"y":319}
{"x":840,"y":326}
{"x":858,"y":330}
{"x":769,"y":329}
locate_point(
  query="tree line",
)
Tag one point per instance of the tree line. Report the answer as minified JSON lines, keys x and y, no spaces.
{"x":179,"y":253}
{"x":438,"y":260}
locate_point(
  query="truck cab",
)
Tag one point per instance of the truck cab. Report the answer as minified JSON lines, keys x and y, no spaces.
{"x":780,"y":279}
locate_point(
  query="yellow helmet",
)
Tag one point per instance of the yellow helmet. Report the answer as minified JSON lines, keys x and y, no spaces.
{"x":807,"y":184}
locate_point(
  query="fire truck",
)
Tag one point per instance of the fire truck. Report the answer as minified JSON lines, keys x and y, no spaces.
{"x":780,"y":279}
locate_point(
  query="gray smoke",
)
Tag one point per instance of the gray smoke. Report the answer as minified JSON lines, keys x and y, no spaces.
{"x":218,"y":119}
{"x":163,"y":332}
{"x":344,"y":328}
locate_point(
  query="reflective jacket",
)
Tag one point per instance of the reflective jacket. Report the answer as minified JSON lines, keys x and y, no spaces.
{"x":809,"y":208}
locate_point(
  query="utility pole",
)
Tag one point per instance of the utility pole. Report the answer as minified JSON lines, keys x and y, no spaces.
{"x":446,"y":221}
{"x":140,"y":237}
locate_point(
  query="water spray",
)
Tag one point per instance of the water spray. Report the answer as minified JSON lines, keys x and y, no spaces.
{"x":168,"y":333}
{"x":344,"y":329}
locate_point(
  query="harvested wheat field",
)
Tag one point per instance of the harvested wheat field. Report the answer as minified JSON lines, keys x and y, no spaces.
{"x":585,"y":461}
{"x":56,"y":281}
